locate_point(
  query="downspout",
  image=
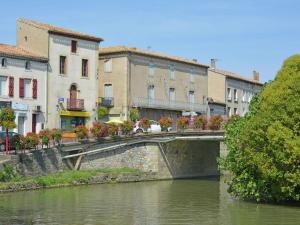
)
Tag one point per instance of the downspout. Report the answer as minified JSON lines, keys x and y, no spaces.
{"x":47,"y":83}
{"x":128,"y":83}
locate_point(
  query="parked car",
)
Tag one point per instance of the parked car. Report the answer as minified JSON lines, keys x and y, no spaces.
{"x":13,"y":138}
{"x":154,"y":127}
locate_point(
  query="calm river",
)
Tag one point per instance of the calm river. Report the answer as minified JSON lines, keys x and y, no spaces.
{"x":162,"y":202}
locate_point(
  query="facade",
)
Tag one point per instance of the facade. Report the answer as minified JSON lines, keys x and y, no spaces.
{"x":231,"y":91}
{"x":72,"y":75}
{"x":159,"y":85}
{"x":23,"y":87}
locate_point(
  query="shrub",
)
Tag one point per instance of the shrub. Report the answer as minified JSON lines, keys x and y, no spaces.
{"x":102,"y":112}
{"x":7,"y":118}
{"x":99,"y":130}
{"x":145,"y":123}
{"x":200,"y":122}
{"x":127,"y":127}
{"x":134,"y":115}
{"x":81,"y":132}
{"x":45,"y":137}
{"x":56,"y":135}
{"x":113,"y":129}
{"x":8,"y":173}
{"x":263,"y":146}
{"x":165,"y":123}
{"x":31,"y":140}
{"x":182,"y":122}
{"x":21,"y":143}
{"x":215,"y":122}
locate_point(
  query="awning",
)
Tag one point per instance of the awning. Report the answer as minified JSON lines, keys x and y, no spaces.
{"x":74,"y":113}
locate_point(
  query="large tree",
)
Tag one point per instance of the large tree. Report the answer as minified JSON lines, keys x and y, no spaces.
{"x":264,"y":146}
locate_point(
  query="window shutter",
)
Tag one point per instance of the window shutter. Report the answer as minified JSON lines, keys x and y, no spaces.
{"x":21,"y":88}
{"x":34,"y":88}
{"x":11,"y":87}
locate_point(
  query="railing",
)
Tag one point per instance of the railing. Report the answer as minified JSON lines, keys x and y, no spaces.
{"x":171,"y":105}
{"x":75,"y":104}
{"x":106,"y":101}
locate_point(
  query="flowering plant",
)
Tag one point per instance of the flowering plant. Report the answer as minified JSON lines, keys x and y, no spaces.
{"x":113,"y":129}
{"x":31,"y":140}
{"x":145,"y":123}
{"x":56,"y":135}
{"x":127,"y":127}
{"x":200,"y":122}
{"x":99,"y":130}
{"x":45,"y":137}
{"x":182,"y":122}
{"x":81,"y":132}
{"x":215,"y":122}
{"x":165,"y":123}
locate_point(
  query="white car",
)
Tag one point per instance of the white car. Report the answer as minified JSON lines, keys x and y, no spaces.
{"x":154,"y":127}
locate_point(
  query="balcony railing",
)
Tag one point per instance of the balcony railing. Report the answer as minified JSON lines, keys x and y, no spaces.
{"x":106,"y":101}
{"x":169,"y":105}
{"x":75,"y":104}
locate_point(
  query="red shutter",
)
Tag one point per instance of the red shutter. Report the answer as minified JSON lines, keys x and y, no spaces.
{"x":21,"y":88}
{"x":34,"y":88}
{"x":11,"y":87}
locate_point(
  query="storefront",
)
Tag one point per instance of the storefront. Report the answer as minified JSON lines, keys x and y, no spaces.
{"x":70,"y":119}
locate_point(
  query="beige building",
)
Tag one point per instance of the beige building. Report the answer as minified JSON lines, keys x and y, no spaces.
{"x":72,"y":73}
{"x":157,"y":84}
{"x":230,"y":93}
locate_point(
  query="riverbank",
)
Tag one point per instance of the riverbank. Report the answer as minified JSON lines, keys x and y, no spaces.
{"x":75,"y":178}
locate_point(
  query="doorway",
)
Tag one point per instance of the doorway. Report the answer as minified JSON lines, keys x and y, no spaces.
{"x":21,"y":121}
{"x":33,"y":123}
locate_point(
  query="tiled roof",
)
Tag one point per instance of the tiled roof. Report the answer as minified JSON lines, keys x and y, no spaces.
{"x":235,"y":76}
{"x":60,"y":31}
{"x":125,"y":49}
{"x":13,"y":51}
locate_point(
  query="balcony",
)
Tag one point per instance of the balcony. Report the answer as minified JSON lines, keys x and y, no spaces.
{"x":168,"y":105}
{"x":75,"y":104}
{"x":106,"y":101}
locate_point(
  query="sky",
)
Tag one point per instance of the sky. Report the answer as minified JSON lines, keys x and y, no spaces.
{"x":242,"y":35}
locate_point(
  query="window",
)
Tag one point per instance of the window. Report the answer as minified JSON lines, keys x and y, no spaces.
{"x":4,"y":62}
{"x":3,"y":86}
{"x":108,"y":65}
{"x":191,"y":97}
{"x":235,"y":111}
{"x":11,"y":87}
{"x":27,"y":88}
{"x":235,"y":95}
{"x":229,"y":94}
{"x":229,"y":111}
{"x":151,"y":69}
{"x":244,"y":96}
{"x":172,"y":94}
{"x":27,"y":65}
{"x":73,"y":46}
{"x":108,"y":92}
{"x":62,"y":65}
{"x":34,"y":88}
{"x":192,"y":76}
{"x":151,"y":91}
{"x":84,"y":71}
{"x":172,"y":72}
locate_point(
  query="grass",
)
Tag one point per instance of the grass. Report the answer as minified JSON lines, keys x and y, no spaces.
{"x":61,"y":179}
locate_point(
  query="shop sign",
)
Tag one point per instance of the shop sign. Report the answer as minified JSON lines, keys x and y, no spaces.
{"x":19,"y":106}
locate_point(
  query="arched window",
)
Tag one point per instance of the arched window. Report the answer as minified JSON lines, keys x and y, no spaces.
{"x":3,"y":62}
{"x":27,"y":65}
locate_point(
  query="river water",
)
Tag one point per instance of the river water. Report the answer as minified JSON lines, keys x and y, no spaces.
{"x":159,"y":202}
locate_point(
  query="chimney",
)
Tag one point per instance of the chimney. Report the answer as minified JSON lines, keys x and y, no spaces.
{"x":255,"y":75}
{"x":213,"y":63}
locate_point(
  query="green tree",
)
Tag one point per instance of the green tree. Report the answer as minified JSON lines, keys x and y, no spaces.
{"x":7,"y":120}
{"x":264,"y":146}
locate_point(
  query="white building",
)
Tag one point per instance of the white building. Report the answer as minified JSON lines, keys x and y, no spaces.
{"x":72,"y":75}
{"x":23,"y":87}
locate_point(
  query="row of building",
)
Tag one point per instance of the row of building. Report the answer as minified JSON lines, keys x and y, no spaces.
{"x":57,"y":78}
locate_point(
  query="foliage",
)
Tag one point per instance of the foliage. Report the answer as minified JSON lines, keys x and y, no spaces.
{"x":215,"y":122}
{"x":99,"y":130}
{"x":182,"y":122}
{"x":264,"y":146}
{"x":134,"y":114}
{"x":81,"y":132}
{"x":8,"y":173}
{"x":145,"y":123}
{"x":31,"y":140}
{"x":21,"y":143}
{"x":200,"y":122}
{"x":113,"y":129}
{"x":7,"y":118}
{"x":102,"y":112}
{"x":45,"y":136}
{"x":56,"y":135}
{"x":127,"y":127}
{"x":165,"y":123}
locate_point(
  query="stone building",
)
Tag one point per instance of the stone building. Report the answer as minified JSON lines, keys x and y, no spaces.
{"x":230,"y":93}
{"x":158,"y":84}
{"x":23,"y":87}
{"x":72,"y":74}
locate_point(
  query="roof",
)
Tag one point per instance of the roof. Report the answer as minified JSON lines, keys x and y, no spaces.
{"x":235,"y":76}
{"x":60,"y":31}
{"x":13,"y":51}
{"x":125,"y":49}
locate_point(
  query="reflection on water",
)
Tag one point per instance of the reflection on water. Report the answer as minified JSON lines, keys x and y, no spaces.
{"x":161,"y":202}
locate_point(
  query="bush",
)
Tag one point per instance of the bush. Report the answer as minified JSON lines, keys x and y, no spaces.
{"x":8,"y":173}
{"x":99,"y":130}
{"x":31,"y":140}
{"x":200,"y":122}
{"x":7,"y":118}
{"x":134,"y":115}
{"x":263,"y":147}
{"x":182,"y":122}
{"x":81,"y":132}
{"x":113,"y":129}
{"x":165,"y":123}
{"x":145,"y":123}
{"x":56,"y":135}
{"x":215,"y":122}
{"x":127,"y":127}
{"x":45,"y":137}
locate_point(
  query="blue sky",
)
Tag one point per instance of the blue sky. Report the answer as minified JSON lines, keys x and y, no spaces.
{"x":242,"y":35}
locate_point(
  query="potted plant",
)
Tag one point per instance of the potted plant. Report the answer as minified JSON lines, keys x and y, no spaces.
{"x":7,"y":120}
{"x":165,"y":123}
{"x":99,"y":130}
{"x":81,"y":132}
{"x":113,"y":129}
{"x":215,"y":122}
{"x":145,"y":123}
{"x":45,"y":137}
{"x":31,"y":140}
{"x":200,"y":122}
{"x":56,"y":135}
{"x":127,"y":127}
{"x":182,"y":123}
{"x":134,"y":114}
